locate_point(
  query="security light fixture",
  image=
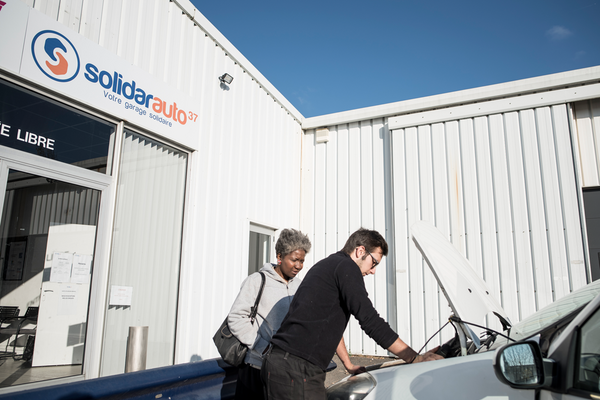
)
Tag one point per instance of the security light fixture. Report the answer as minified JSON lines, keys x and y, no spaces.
{"x":226,"y":78}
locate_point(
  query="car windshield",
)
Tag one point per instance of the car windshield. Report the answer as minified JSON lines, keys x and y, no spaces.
{"x":554,"y":312}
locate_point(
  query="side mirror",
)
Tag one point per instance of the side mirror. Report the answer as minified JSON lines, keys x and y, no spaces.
{"x":520,"y":365}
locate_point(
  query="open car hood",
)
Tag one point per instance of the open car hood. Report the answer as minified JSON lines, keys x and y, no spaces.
{"x":467,"y":294}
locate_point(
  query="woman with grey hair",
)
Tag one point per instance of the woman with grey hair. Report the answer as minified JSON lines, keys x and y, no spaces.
{"x":280,"y":286}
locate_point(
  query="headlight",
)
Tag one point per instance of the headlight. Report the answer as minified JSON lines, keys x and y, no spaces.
{"x":354,"y":388}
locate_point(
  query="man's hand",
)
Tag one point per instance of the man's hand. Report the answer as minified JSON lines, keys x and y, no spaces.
{"x":355,"y":369}
{"x":429,"y":356}
{"x":345,"y":359}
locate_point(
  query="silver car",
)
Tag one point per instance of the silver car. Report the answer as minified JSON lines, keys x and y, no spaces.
{"x":552,"y":354}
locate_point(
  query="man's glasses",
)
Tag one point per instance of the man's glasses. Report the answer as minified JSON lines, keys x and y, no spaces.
{"x":375,"y":262}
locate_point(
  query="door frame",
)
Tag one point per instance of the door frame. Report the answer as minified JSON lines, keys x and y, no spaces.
{"x":48,"y":168}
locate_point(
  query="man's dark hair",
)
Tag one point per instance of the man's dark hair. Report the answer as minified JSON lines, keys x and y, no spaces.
{"x":364,"y":237}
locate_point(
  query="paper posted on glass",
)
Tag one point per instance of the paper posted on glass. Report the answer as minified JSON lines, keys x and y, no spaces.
{"x":61,"y":267}
{"x":120,"y":295}
{"x":82,"y":265}
{"x":67,"y":303}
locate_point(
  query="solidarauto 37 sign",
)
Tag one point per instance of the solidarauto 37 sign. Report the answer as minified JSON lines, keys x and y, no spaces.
{"x":139,"y":100}
{"x":65,"y":61}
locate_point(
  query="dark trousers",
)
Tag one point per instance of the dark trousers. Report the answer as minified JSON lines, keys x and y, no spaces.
{"x":249,"y":386}
{"x":287,"y":377}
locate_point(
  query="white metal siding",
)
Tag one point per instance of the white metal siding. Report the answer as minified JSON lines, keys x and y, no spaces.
{"x":587,"y":120}
{"x":344,"y":188}
{"x":169,"y":39}
{"x":503,"y":188}
{"x":248,"y":166}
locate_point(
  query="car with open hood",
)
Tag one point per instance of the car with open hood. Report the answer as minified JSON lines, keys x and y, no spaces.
{"x":552,"y":354}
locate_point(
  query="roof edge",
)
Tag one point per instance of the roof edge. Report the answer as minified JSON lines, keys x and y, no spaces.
{"x":514,"y":88}
{"x":203,"y":23}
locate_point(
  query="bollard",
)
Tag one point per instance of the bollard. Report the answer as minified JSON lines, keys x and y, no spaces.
{"x":137,"y":347}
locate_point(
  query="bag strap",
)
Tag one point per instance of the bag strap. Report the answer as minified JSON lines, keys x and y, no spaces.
{"x":254,"y":309}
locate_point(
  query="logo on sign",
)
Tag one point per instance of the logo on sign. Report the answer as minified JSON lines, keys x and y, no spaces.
{"x":55,"y":56}
{"x":58,"y":59}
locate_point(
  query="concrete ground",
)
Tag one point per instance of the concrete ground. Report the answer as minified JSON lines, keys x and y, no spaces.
{"x":340,"y":372}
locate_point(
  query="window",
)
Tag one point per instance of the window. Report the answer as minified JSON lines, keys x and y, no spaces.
{"x":591,"y":201}
{"x":39,"y":125}
{"x":260,"y":249}
{"x":47,"y":241}
{"x":146,"y":251}
{"x":587,"y":376}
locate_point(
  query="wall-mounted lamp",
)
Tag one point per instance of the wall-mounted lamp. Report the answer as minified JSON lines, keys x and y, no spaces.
{"x":226,"y":78}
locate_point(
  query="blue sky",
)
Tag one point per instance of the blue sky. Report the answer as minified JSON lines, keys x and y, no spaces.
{"x":329,"y":56}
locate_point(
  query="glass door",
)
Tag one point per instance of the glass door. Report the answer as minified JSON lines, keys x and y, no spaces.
{"x":55,"y":162}
{"x":47,"y":240}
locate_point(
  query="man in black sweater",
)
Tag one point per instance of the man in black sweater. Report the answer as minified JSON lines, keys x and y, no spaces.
{"x":294,"y":366}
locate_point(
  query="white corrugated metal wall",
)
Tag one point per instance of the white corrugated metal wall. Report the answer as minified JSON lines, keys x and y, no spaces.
{"x":498,"y":177}
{"x":503,"y":188}
{"x":587,"y":123}
{"x":248,"y":166}
{"x":344,"y":188}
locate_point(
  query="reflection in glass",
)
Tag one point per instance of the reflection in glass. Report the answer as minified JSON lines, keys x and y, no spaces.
{"x":47,"y":238}
{"x":145,"y":252}
{"x":587,"y":376}
{"x":39,"y":125}
{"x":259,"y":251}
{"x":554,"y":312}
{"x":518,"y":364}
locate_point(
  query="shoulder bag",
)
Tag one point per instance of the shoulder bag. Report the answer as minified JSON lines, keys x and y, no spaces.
{"x":233,"y":351}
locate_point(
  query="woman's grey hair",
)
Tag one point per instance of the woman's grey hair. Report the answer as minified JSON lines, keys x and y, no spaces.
{"x":291,"y":240}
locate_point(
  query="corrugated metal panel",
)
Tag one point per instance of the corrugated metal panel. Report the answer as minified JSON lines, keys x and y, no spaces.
{"x":344,"y":188}
{"x":169,"y":39}
{"x":587,"y":121}
{"x":502,"y":187}
{"x":493,"y":168}
{"x":248,"y":167}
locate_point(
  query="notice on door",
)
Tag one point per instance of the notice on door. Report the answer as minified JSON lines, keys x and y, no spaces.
{"x":120,"y":295}
{"x":67,"y":302}
{"x":61,"y":267}
{"x":82,"y":265}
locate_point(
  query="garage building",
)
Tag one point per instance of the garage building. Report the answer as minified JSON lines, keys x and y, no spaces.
{"x":141,"y":186}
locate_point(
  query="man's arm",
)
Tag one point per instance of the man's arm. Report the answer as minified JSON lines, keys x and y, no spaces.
{"x":402,"y":350}
{"x":345,"y":359}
